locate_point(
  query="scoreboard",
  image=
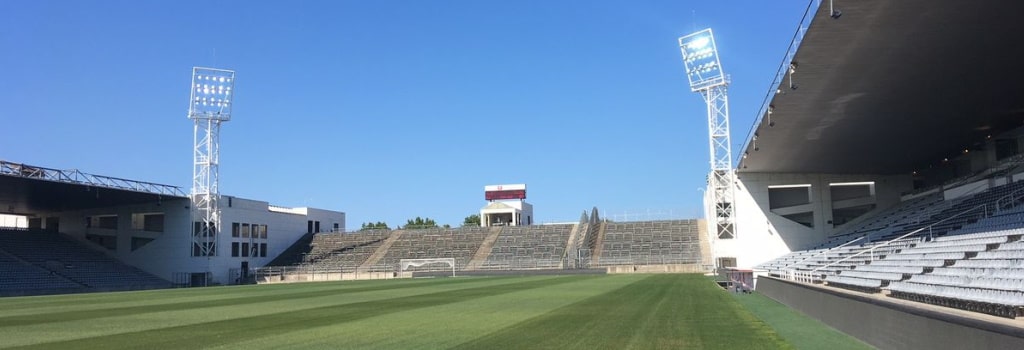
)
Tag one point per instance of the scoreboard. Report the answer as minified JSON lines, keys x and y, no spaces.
{"x":504,"y":192}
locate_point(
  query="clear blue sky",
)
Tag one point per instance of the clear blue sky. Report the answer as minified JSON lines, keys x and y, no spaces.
{"x":390,"y":109}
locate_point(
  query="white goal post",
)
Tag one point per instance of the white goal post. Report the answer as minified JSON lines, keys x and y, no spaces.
{"x":406,"y":263}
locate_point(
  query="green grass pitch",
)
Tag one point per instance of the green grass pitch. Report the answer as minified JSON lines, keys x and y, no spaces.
{"x":540,"y":312}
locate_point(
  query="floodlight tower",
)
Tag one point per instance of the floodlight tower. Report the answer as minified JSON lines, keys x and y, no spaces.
{"x":209,"y":107}
{"x":704,"y":70}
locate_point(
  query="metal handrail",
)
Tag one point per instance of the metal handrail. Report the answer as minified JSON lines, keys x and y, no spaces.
{"x":887,"y":243}
{"x":780,"y":74}
{"x":996,"y":207}
{"x":999,"y":208}
{"x":825,"y":252}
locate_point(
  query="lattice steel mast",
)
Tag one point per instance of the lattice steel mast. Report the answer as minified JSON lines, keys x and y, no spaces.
{"x":209,"y":107}
{"x":704,"y":71}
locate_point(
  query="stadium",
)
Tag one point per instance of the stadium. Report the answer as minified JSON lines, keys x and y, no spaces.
{"x":875,"y":202}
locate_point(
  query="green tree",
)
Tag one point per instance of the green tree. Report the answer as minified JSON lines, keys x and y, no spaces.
{"x":374,"y":226}
{"x":472,"y":220}
{"x":419,"y":222}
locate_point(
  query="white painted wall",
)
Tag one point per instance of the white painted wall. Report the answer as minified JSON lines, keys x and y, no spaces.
{"x":521,"y":211}
{"x":762,"y":235}
{"x":170,"y":252}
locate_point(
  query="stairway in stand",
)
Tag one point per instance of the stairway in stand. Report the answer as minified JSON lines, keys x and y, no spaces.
{"x":485,"y":249}
{"x":381,"y":251}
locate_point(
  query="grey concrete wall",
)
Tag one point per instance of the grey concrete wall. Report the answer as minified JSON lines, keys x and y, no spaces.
{"x":889,"y":325}
{"x":540,"y":272}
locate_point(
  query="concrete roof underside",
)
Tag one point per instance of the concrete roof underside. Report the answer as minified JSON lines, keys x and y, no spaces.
{"x":27,"y":196}
{"x":893,"y":86}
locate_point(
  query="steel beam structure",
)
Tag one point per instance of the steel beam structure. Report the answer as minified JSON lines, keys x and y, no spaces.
{"x":209,"y":106}
{"x":706,"y":77}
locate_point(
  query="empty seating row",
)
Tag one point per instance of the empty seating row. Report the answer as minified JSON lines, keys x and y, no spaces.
{"x":52,"y":262}
{"x":650,"y":243}
{"x":853,"y":281}
{"x":529,"y":247}
{"x":961,"y":242}
{"x":996,"y":302}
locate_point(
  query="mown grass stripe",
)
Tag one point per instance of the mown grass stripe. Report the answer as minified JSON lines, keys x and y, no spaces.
{"x":239,"y":299}
{"x":234,"y":330}
{"x":802,"y":331}
{"x":658,"y":312}
{"x":443,"y":326}
{"x":93,"y":327}
{"x":103,"y":300}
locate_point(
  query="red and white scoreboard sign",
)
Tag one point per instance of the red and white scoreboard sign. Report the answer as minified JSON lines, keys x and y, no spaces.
{"x":502,"y":192}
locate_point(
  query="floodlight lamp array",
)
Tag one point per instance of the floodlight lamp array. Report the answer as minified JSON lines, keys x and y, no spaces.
{"x":701,"y":59}
{"x":703,"y":68}
{"x":212,"y":92}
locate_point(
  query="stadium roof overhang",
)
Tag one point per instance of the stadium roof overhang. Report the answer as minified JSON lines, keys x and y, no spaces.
{"x":28,"y":190}
{"x":892,"y":86}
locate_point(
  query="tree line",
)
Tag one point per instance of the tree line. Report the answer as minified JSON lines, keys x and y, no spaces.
{"x":419,"y":223}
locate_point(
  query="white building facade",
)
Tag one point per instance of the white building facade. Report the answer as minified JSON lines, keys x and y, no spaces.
{"x":777,"y":213}
{"x":155,"y":237}
{"x":506,"y":206}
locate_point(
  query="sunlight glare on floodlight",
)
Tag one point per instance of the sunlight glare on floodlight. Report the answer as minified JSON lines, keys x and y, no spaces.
{"x":699,"y":43}
{"x":700,"y":55}
{"x":211,"y":94}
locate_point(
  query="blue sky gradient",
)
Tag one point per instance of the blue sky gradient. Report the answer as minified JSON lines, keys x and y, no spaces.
{"x":388,"y":110}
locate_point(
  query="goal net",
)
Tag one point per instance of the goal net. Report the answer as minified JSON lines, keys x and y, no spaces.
{"x":404,"y":264}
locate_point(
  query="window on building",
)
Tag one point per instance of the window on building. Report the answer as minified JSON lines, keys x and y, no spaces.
{"x":138,"y":242}
{"x":236,"y":229}
{"x":152,"y":222}
{"x":851,"y":200}
{"x":245,"y":249}
{"x":263,"y":231}
{"x":234,"y":249}
{"x":726,"y":262}
{"x":263,"y":250}
{"x":108,"y":242}
{"x":197,"y":248}
{"x":103,"y":221}
{"x":198,"y":230}
{"x":792,"y":202}
{"x":245,"y":230}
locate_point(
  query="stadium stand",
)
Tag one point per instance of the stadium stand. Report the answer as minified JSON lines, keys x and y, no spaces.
{"x":38,"y":262}
{"x":332,"y":250}
{"x":535,"y":247}
{"x":650,"y":243}
{"x":458,"y":243}
{"x":965,"y":253}
{"x":529,"y":247}
{"x":21,"y":278}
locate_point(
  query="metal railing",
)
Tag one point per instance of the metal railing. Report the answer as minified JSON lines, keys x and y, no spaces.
{"x":79,"y":178}
{"x":1016,"y":196}
{"x":812,"y":275}
{"x":825,"y":252}
{"x":997,"y":206}
{"x":780,"y":74}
